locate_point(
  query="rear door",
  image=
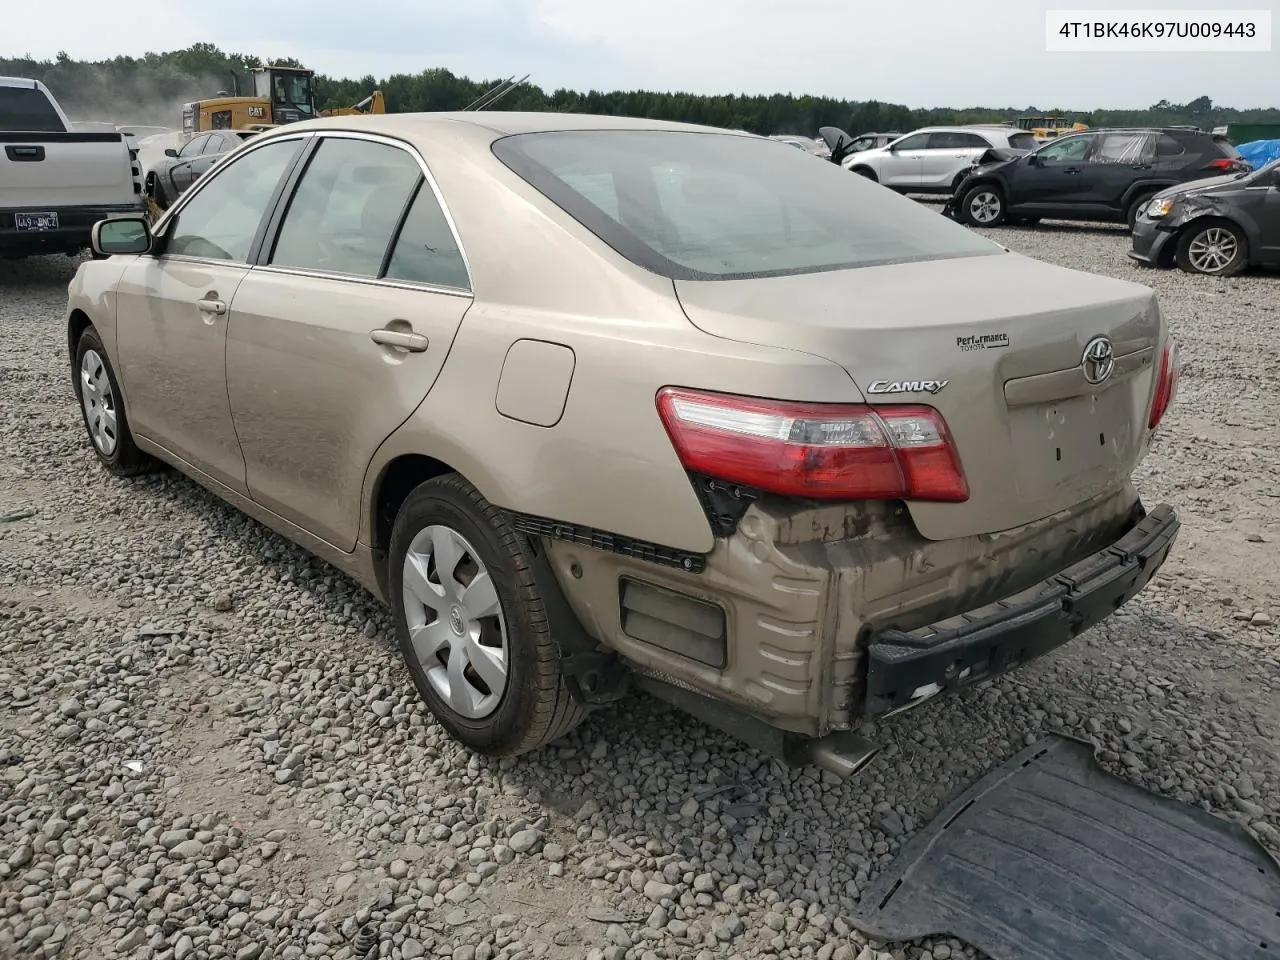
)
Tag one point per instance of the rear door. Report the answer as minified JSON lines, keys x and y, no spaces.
{"x":902,"y":165}
{"x":1119,"y":161}
{"x":341,"y":329}
{"x":949,"y":154}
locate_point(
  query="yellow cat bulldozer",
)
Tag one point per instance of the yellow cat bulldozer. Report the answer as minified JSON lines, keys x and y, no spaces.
{"x":280,"y":95}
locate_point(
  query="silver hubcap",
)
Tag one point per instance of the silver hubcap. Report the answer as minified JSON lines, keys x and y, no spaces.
{"x":455,"y":622}
{"x":984,"y":207}
{"x":99,"y":402}
{"x":1212,"y":250}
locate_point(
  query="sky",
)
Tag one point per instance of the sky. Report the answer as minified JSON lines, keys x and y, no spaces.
{"x":922,"y":53}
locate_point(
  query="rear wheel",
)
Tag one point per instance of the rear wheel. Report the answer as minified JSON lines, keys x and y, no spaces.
{"x":471,"y":623}
{"x":100,"y":406}
{"x":1217,"y":248}
{"x":983,"y":206}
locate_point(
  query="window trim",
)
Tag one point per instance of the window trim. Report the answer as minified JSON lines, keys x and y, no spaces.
{"x":269,"y":228}
{"x":258,"y":260}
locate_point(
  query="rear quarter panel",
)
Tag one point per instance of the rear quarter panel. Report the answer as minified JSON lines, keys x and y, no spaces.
{"x":608,"y":462}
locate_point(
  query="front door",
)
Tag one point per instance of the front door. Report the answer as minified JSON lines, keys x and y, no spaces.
{"x":337,"y":337}
{"x":902,"y":162}
{"x":172,"y":311}
{"x":1052,"y":176}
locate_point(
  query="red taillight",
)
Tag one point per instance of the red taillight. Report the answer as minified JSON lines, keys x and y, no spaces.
{"x":1225,"y":164}
{"x":820,"y":450}
{"x":1166,"y":384}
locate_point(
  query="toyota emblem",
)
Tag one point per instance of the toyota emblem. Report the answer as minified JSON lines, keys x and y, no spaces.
{"x":1099,"y":360}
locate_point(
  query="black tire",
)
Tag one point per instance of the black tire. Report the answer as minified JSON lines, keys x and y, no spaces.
{"x":955,"y":184}
{"x":866,"y":172}
{"x":1213,"y":233}
{"x":993,"y":201}
{"x":124,"y":459}
{"x":535,"y":707}
{"x":1131,"y":215}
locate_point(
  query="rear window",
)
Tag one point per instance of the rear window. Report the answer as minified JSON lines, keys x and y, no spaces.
{"x":27,"y":110}
{"x":708,"y":206}
{"x":1227,"y":147}
{"x":1022,"y":141}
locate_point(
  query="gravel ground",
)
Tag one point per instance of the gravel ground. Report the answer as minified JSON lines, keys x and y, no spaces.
{"x":209,"y":748}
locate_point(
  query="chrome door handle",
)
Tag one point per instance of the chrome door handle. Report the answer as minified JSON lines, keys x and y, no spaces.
{"x":413,"y":342}
{"x":212,"y":306}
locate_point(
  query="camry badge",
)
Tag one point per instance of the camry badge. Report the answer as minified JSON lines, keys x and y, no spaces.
{"x":907,"y":386}
{"x":1099,"y":360}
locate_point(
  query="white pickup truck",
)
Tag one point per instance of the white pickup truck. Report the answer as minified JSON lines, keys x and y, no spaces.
{"x":56,"y":181}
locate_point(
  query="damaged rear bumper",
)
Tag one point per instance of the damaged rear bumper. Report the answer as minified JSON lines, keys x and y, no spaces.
{"x":907,"y":667}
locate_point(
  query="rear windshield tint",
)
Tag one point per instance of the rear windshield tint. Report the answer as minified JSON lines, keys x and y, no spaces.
{"x":27,"y":110}
{"x":709,"y":206}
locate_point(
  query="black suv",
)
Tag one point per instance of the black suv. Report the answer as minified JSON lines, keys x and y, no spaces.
{"x":1106,"y":175}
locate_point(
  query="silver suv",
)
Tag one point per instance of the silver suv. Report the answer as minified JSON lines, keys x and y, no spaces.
{"x":934,"y":159}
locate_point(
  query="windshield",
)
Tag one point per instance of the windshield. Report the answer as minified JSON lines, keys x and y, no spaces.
{"x":293,"y":89}
{"x":28,"y":110}
{"x":707,"y":206}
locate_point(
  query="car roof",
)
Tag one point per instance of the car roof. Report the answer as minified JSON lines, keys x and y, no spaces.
{"x":497,"y":123}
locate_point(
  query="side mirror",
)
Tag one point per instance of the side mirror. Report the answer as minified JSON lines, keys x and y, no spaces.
{"x":122,"y":235}
{"x":170,"y":152}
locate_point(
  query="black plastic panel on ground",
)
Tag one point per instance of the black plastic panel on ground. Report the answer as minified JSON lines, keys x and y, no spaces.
{"x":1052,"y":858}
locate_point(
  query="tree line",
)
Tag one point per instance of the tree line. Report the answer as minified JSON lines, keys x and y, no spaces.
{"x":151,"y":89}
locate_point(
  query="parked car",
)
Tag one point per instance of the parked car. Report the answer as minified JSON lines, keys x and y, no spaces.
{"x":181,"y":167}
{"x":600,"y":400}
{"x":1217,"y":226}
{"x":934,"y":159}
{"x":56,"y":182}
{"x":1100,"y":175}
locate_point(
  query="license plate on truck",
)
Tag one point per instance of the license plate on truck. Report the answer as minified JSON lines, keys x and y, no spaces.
{"x":35,"y":222}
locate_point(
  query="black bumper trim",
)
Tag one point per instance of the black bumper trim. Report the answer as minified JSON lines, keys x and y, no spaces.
{"x":1002,"y":635}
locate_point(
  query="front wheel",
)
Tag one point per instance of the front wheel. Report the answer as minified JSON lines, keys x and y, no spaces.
{"x":1218,"y":249}
{"x":471,"y":623}
{"x":102,"y":410}
{"x":983,"y":206}
{"x":866,"y":172}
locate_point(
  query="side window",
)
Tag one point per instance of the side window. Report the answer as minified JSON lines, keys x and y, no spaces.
{"x":346,"y":208}
{"x":220,"y":220}
{"x":216,"y":143}
{"x":947,"y":140}
{"x":426,"y":250}
{"x":1022,"y":141}
{"x":917,"y":141}
{"x":1120,"y":148}
{"x":1069,"y":148}
{"x":975,"y":142}
{"x":1168,"y":147}
{"x":193,"y":147}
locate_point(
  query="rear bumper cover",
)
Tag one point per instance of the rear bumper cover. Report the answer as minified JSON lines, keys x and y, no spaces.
{"x":75,"y":224}
{"x":905,"y":667}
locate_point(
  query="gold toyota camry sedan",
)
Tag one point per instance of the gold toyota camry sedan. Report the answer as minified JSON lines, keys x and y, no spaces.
{"x":596,"y":403}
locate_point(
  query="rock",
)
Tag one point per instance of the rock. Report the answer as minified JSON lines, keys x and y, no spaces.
{"x":412,"y":949}
{"x":222,"y":602}
{"x":71,"y":708}
{"x":187,"y":850}
{"x":655,"y":890}
{"x":382,"y":708}
{"x":524,"y":841}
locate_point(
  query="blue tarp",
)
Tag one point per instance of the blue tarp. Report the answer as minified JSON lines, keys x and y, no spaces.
{"x":1260,"y":152}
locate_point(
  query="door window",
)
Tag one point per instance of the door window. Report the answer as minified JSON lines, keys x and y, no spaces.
{"x":193,"y":147}
{"x":1121,"y":148}
{"x":347,"y":207}
{"x":1169,"y":147}
{"x":956,"y":140}
{"x":215,"y":143}
{"x":426,"y":250}
{"x":220,"y":220}
{"x":917,"y":141}
{"x":1069,"y":148}
{"x":1022,"y":141}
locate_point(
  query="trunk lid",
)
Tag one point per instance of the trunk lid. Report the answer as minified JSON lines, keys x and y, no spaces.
{"x":1006,"y":337}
